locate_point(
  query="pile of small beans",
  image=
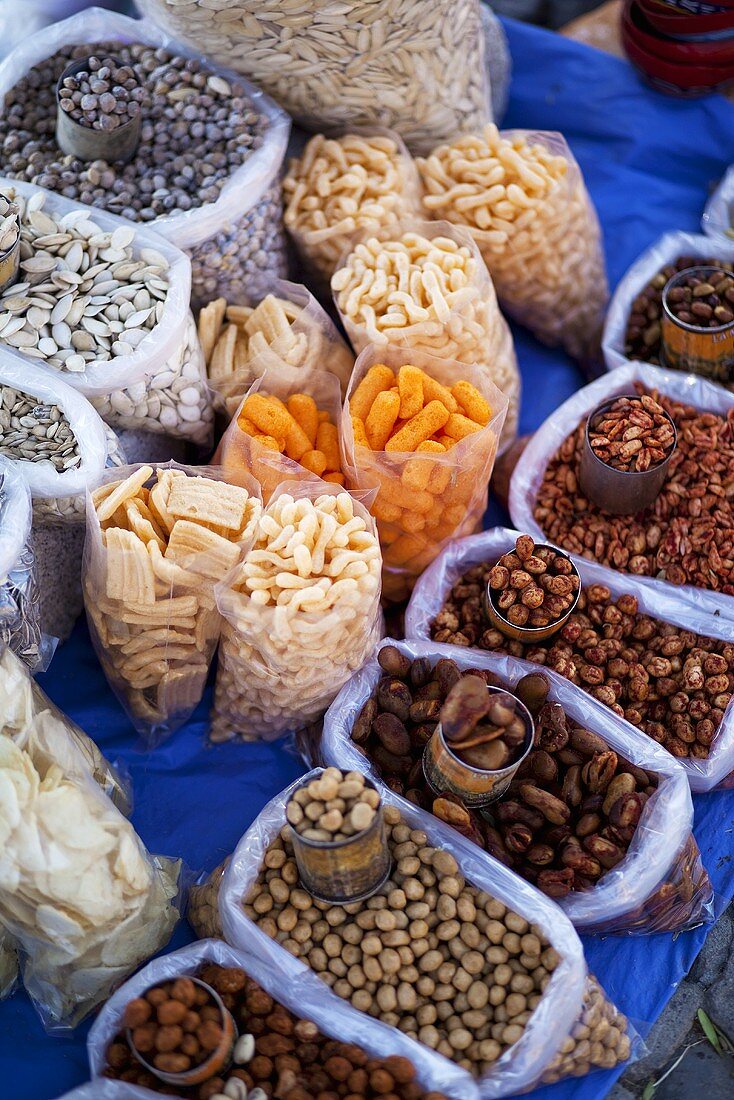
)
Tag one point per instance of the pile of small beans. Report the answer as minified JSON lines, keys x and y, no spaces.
{"x":277,"y":1054}
{"x":532,"y":585}
{"x":703,"y":300}
{"x":103,"y":97}
{"x":333,"y":807}
{"x":429,"y":953}
{"x":672,"y":684}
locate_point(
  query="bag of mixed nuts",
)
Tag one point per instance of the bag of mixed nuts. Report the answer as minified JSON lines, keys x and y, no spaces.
{"x":215,"y":192}
{"x":685,"y":647}
{"x":543,"y":1045}
{"x":613,"y":866}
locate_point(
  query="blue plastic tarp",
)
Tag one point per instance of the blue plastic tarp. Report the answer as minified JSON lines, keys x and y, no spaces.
{"x":649,"y":162}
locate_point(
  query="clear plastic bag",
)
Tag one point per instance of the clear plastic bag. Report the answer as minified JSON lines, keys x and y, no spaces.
{"x":524,"y":1064}
{"x":103,"y":1089}
{"x":233,"y":241}
{"x":361,"y":181}
{"x":8,"y":965}
{"x":281,"y":664}
{"x":531,"y":466}
{"x":309,"y":345}
{"x":666,"y":250}
{"x":717,"y":221}
{"x":79,"y":893}
{"x":149,"y":593}
{"x":460,"y":321}
{"x":422,"y":73}
{"x":628,"y":898}
{"x":58,"y":548}
{"x":240,"y":453}
{"x":661,"y":601}
{"x":423,"y":500}
{"x":202,"y":903}
{"x":161,"y":386}
{"x":547,"y":259}
{"x":20,"y":611}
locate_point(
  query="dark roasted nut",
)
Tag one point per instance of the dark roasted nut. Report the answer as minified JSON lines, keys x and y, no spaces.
{"x":511,"y":812}
{"x":532,"y":690}
{"x":608,"y":853}
{"x":619,"y":785}
{"x":392,"y":734}
{"x":627,"y":810}
{"x":363,"y":724}
{"x":394,"y":696}
{"x":389,"y":763}
{"x":425,"y":710}
{"x":556,"y":884}
{"x":466,"y":704}
{"x":598,"y":773}
{"x":393,"y":662}
{"x":586,"y":742}
{"x":446,"y":672}
{"x":552,"y":808}
{"x":541,"y":854}
{"x":543,"y":766}
{"x":518,"y":838}
{"x":572,"y":791}
{"x":420,"y":672}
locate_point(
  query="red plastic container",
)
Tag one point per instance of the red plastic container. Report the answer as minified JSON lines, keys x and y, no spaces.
{"x":673,"y":66}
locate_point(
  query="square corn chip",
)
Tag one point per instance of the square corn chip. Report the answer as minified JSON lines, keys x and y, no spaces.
{"x":148,"y":676}
{"x":210,"y":325}
{"x":140,"y":524}
{"x":165,"y":611}
{"x":129,"y":577}
{"x":200,"y":550}
{"x":123,"y":490}
{"x":208,"y":625}
{"x":136,"y":662}
{"x":169,"y":573}
{"x":221,"y":363}
{"x":158,"y":499}
{"x":181,"y":689}
{"x":152,"y":638}
{"x":220,"y":506}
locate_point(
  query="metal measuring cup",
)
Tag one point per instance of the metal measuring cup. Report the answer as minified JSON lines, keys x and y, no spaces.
{"x":87,"y":143}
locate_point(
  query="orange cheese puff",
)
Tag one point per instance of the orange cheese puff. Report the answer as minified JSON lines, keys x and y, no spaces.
{"x":296,"y":440}
{"x":417,"y":471}
{"x":377,"y":379}
{"x":413,"y":523}
{"x":412,"y":499}
{"x":327,"y":440}
{"x":304,"y":411}
{"x":381,"y":419}
{"x":454,"y":514}
{"x":269,"y":418}
{"x":385,"y":511}
{"x":420,"y":428}
{"x":431,"y":446}
{"x":405,"y":548}
{"x":360,"y":435}
{"x":434,"y":391}
{"x":459,"y":426}
{"x":246,"y":424}
{"x":267,"y":441}
{"x":410,"y":388}
{"x":315,"y":461}
{"x":472,"y":403}
{"x":439,"y":479}
{"x":446,"y":441}
{"x":336,"y":479}
{"x":323,"y":416}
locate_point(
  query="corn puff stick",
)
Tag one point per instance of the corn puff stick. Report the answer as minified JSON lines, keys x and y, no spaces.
{"x":413,"y":500}
{"x":446,"y":441}
{"x":315,"y":461}
{"x":410,"y":388}
{"x":420,"y":428}
{"x":381,"y":419}
{"x":458,"y":426}
{"x":360,"y":435}
{"x":431,"y":446}
{"x":434,"y":391}
{"x":383,"y":510}
{"x":405,"y":548}
{"x":413,"y":523}
{"x":268,"y":416}
{"x":327,"y":440}
{"x":472,"y":403}
{"x":439,"y":479}
{"x":334,"y":478}
{"x":323,"y":416}
{"x":247,"y":425}
{"x":296,"y":440}
{"x":304,"y":411}
{"x":267,"y":441}
{"x":377,"y":379}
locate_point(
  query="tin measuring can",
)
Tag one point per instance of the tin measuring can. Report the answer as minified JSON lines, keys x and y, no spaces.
{"x":10,"y":258}
{"x":531,"y":634}
{"x":87,"y":143}
{"x":344,"y":871}
{"x":687,"y":347}
{"x":620,"y":492}
{"x":445,"y":771}
{"x":217,"y":1062}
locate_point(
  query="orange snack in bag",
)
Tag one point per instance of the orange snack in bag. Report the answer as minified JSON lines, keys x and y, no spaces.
{"x":378,"y":378}
{"x":299,"y":430}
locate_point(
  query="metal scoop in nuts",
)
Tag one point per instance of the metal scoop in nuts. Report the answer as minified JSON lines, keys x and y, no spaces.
{"x":533,"y":585}
{"x":634,"y":434}
{"x":9,"y":227}
{"x":482,"y":728}
{"x":104,"y":96}
{"x":333,"y":807}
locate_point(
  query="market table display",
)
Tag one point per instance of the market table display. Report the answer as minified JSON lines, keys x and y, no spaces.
{"x":195,"y":802}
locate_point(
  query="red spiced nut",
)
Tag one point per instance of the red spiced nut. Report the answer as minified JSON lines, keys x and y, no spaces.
{"x":633,"y":434}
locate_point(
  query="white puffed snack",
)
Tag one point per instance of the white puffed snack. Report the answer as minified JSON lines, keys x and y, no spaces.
{"x":360,"y":181}
{"x":417,"y":66}
{"x":426,"y":286}
{"x":301,"y":613}
{"x":523,"y":199}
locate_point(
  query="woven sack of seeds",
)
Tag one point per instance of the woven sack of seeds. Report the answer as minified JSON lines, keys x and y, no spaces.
{"x":213,"y":192}
{"x":106,"y":304}
{"x":417,"y":68}
{"x":20,"y":610}
{"x":549,"y":1042}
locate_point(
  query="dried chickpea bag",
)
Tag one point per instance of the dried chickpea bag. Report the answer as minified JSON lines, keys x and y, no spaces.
{"x":80,"y":895}
{"x":554,"y":1019}
{"x":424,"y":286}
{"x":523,"y":198}
{"x":301,"y":612}
{"x":285,"y":328}
{"x":423,"y":432}
{"x":286,"y":428}
{"x":363,"y":180}
{"x":157,"y":541}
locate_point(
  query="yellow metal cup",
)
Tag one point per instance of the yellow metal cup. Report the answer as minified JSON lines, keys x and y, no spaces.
{"x":705,"y":351}
{"x":531,"y":635}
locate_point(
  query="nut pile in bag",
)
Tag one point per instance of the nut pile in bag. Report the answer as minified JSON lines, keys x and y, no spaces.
{"x":78,"y":892}
{"x":439,"y":959}
{"x":276,"y":1049}
{"x":301,"y":613}
{"x":424,"y":286}
{"x":523,"y":199}
{"x":571,"y":812}
{"x":359,"y":63}
{"x":685,"y":537}
{"x":152,"y":557}
{"x":20,"y":610}
{"x":287,"y":327}
{"x":341,"y":186}
{"x":424,"y":434}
